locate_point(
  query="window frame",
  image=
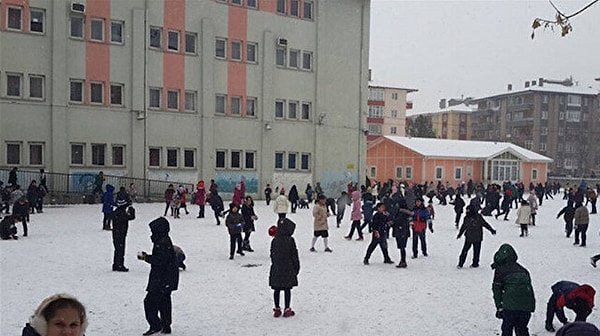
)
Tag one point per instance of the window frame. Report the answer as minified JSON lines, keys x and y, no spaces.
{"x":8,"y":20}
{"x":177,"y":34}
{"x":232,"y":154}
{"x":8,"y":157}
{"x":253,"y":45}
{"x":251,"y":102}
{"x":169,"y":101}
{"x":114,"y":156}
{"x":296,"y":58}
{"x":311,"y":11}
{"x":308,"y":54}
{"x":291,"y":155}
{"x":160,"y":36}
{"x":233,"y":104}
{"x":224,"y":49}
{"x":534,"y":174}
{"x":154,"y":89}
{"x":31,"y":23}
{"x":222,"y":152}
{"x":281,"y":7}
{"x":91,"y":37}
{"x":170,"y":152}
{"x":459,"y":176}
{"x":186,"y":151}
{"x":41,"y":148}
{"x":42,"y":88}
{"x":289,"y":109}
{"x":194,"y":96}
{"x":280,"y":51}
{"x":92,"y":84}
{"x":122,"y":89}
{"x":408,"y":172}
{"x":372,"y":171}
{"x":253,"y":160}
{"x":194,"y":37}
{"x":233,"y":54}
{"x":281,"y":102}
{"x":157,"y":151}
{"x":307,"y":156}
{"x":73,"y":157}
{"x":222,"y":97}
{"x":81,"y":84}
{"x":122,"y":36}
{"x":19,"y":76}
{"x":99,"y":160}
{"x":81,"y":18}
{"x":254,"y":6}
{"x":297,"y":14}
{"x":309,"y":105}
{"x":280,"y":166}
{"x":398,"y":172}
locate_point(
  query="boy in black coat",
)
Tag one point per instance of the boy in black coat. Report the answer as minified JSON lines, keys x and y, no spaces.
{"x":568,"y":213}
{"x":459,"y":205}
{"x":163,"y":279}
{"x":401,"y":232}
{"x":8,"y":229}
{"x":472,"y":227}
{"x":379,"y":237}
{"x":121,"y":218}
{"x":285,"y":266}
{"x":235,"y":225}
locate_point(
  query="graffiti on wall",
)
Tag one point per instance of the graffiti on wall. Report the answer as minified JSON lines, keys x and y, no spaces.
{"x":227,"y":181}
{"x":287,"y":180}
{"x":335,"y":181}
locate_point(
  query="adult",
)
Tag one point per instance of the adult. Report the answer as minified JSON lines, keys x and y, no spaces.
{"x":472,"y":227}
{"x":285,"y":266}
{"x":216,"y":204}
{"x":43,"y":180}
{"x":512,"y":291}
{"x":57,"y":315}
{"x":163,"y":279}
{"x":581,"y":220}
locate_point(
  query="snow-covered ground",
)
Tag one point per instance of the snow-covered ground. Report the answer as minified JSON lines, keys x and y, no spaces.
{"x":67,"y":251}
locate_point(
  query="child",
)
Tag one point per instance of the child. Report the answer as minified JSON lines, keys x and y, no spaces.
{"x":320,"y":223}
{"x":169,"y":199}
{"x":285,"y":265}
{"x":523,"y":217}
{"x":420,"y":218}
{"x":216,"y":203}
{"x":568,"y":213}
{"x":379,"y":236}
{"x":8,"y":229}
{"x":107,"y":206}
{"x":355,"y":216}
{"x":235,"y":225}
{"x":180,"y":256}
{"x":431,"y":216}
{"x":249,"y":218}
{"x":175,"y":204}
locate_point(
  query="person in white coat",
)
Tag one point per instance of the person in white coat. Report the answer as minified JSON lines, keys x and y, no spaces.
{"x":281,"y":204}
{"x":523,"y":217}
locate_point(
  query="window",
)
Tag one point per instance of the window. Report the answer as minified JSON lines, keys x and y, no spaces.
{"x":118,"y":155}
{"x":408,"y":173}
{"x":308,"y":10}
{"x":281,"y":6}
{"x":293,"y":110}
{"x":236,"y":105}
{"x":305,"y":111}
{"x":172,"y":156}
{"x":439,"y":172}
{"x":251,"y":3}
{"x":189,"y":158}
{"x":306,"y":60}
{"x":294,"y":58}
{"x":97,"y":30}
{"x":295,"y":8}
{"x":251,"y":49}
{"x":398,"y":172}
{"x":236,"y":2}
{"x":77,"y":26}
{"x":235,"y":160}
{"x":251,"y":107}
{"x":544,"y":131}
{"x":395,"y":96}
{"x":13,"y":153}
{"x":155,"y":37}
{"x":373,"y":171}
{"x":394,"y":114}
{"x":542,"y":146}
{"x":173,"y":40}
{"x":305,"y":161}
{"x":98,"y":151}
{"x":221,"y":104}
{"x":221,"y":48}
{"x":36,"y":87}
{"x":561,"y":131}
{"x":573,"y":100}
{"x":76,"y":91}
{"x":36,"y":20}
{"x":249,"y":160}
{"x":279,"y":160}
{"x":236,"y":50}
{"x":13,"y":85}
{"x":279,"y":108}
{"x":36,"y":154}
{"x":155,"y":97}
{"x":291,"y":164}
{"x":14,"y":18}
{"x":96,"y":93}
{"x":220,"y":162}
{"x":116,"y":31}
{"x":544,"y":99}
{"x":394,"y":130}
{"x":457,"y":173}
{"x":561,"y":115}
{"x":280,"y":56}
{"x":154,"y":157}
{"x":544,"y":115}
{"x":190,"y":101}
{"x":173,"y":100}
{"x":190,"y":43}
{"x":116,"y":94}
{"x":573,"y":116}
{"x":534,"y":174}
{"x":77,"y":154}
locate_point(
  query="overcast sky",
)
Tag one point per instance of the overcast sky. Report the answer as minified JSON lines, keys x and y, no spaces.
{"x":446,"y":49}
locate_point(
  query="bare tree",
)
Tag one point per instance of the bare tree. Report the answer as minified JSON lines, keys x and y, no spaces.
{"x":561,"y":20}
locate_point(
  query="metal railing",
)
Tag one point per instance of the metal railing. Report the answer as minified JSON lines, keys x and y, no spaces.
{"x":78,"y":187}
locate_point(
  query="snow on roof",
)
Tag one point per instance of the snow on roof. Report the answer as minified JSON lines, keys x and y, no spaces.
{"x":550,"y":88}
{"x":443,"y":148}
{"x":456,"y":108}
{"x":386,"y":86}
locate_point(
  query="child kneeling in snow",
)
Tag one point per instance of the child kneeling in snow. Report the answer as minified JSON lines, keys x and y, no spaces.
{"x":285,"y":265}
{"x":8,"y":229}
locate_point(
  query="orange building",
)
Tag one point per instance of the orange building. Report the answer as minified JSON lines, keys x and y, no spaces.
{"x":455,"y":161}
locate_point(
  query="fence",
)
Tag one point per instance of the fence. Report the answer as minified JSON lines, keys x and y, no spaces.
{"x":78,"y":187}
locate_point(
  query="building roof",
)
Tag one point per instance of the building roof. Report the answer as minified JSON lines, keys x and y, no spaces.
{"x":383,"y":86}
{"x":443,"y":148}
{"x":461,"y":108}
{"x":548,"y":88}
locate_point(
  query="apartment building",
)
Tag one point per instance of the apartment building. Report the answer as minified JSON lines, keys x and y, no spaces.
{"x":557,"y":119}
{"x":449,"y":121}
{"x":263,"y":90}
{"x":387,"y":111}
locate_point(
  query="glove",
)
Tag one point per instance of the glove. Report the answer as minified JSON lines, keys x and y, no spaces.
{"x":431,"y":229}
{"x":493,"y":232}
{"x":142,"y":255}
{"x":499,"y":314}
{"x":458,"y":237}
{"x":376,"y":234}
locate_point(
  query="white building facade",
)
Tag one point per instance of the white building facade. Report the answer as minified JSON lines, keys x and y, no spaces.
{"x":270,"y":91}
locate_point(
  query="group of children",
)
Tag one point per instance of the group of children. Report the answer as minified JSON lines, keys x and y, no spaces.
{"x":18,"y":205}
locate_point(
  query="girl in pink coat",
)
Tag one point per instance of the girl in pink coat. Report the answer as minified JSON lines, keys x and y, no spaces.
{"x":200,"y":198}
{"x":355,"y":216}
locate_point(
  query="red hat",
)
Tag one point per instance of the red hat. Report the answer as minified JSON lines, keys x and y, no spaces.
{"x":273,"y":231}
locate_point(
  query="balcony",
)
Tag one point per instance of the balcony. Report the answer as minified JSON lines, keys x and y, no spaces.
{"x":520,"y":107}
{"x":520,"y":122}
{"x":484,"y":126}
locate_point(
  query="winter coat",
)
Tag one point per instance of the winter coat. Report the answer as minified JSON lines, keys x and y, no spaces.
{"x":249,"y":215}
{"x":523,"y":215}
{"x":37,"y":323}
{"x":320,"y":217}
{"x":511,"y":286}
{"x":472,"y":227}
{"x":401,"y":223}
{"x":293,"y":195}
{"x":285,"y":263}
{"x":32,"y":193}
{"x":216,"y":202}
{"x":380,"y":224}
{"x":121,"y":221}
{"x":578,"y":328}
{"x":12,"y":177}
{"x":234,"y":222}
{"x":367,"y":207}
{"x":582,"y":216}
{"x":533,"y":204}
{"x":201,"y":196}
{"x":505,"y":205}
{"x":16,"y":195}
{"x":459,"y":204}
{"x":237,"y":195}
{"x":568,"y":211}
{"x":355,"y":214}
{"x":169,"y":194}
{"x":164,"y":271}
{"x":281,"y":204}
{"x":8,"y":227}
{"x":342,"y":201}
{"x":420,"y":217}
{"x":108,"y":199}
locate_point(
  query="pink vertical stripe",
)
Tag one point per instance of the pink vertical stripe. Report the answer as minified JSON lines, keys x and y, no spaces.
{"x":174,"y":61}
{"x":97,"y":54}
{"x":236,"y":71}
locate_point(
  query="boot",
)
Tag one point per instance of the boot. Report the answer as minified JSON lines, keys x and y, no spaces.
{"x":276,"y":312}
{"x":288,"y":312}
{"x":550,"y":327}
{"x":402,"y":264}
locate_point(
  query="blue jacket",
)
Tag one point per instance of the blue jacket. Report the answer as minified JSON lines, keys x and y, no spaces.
{"x":108,"y":199}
